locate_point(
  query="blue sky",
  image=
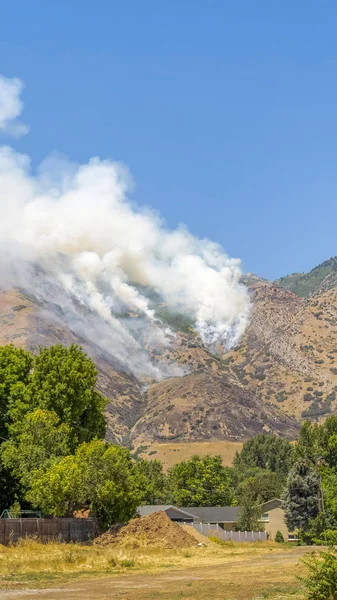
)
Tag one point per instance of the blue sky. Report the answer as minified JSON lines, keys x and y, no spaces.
{"x":225,"y":112}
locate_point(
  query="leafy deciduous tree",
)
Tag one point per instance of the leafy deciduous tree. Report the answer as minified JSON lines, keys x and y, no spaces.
{"x":63,"y":380}
{"x":249,"y":514}
{"x":154,"y":481}
{"x":39,"y":440}
{"x":99,"y":475}
{"x":262,"y":486}
{"x":266,"y":452}
{"x":200,"y":482}
{"x":15,"y":367}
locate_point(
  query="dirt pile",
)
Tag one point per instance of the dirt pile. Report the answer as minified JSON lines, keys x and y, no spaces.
{"x":201,"y":539}
{"x":156,"y":529}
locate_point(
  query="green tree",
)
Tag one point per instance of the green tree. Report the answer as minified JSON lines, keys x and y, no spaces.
{"x":63,"y":380}
{"x":262,"y":486}
{"x":329,"y":484}
{"x":302,"y":496}
{"x":200,"y":482}
{"x":153,"y":481}
{"x":319,"y":526}
{"x":308,"y":446}
{"x":249,"y":514}
{"x":99,"y":475}
{"x":39,"y":440}
{"x":265,"y":452}
{"x":15,"y":367}
{"x":10,"y":488}
{"x":59,"y":490}
{"x":317,"y":443}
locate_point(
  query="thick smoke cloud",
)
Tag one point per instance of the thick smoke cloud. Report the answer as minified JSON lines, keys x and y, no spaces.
{"x":70,"y":232}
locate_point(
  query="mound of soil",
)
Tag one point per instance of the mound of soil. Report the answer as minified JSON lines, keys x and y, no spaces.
{"x":156,"y":529}
{"x":201,"y":539}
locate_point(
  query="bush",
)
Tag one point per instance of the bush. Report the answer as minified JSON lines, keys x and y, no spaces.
{"x":281,"y":396}
{"x":321,"y":583}
{"x":279,"y":537}
{"x":329,"y":537}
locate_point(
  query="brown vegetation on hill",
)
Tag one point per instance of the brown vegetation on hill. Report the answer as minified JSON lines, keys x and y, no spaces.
{"x":288,"y":353}
{"x":283,"y":370}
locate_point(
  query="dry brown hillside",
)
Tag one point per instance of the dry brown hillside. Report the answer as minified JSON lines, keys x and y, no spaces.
{"x":288,"y":354}
{"x":208,"y":402}
{"x":284,"y":369}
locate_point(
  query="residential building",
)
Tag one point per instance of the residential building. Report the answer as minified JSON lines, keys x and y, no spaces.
{"x":224,"y":516}
{"x":272,"y":517}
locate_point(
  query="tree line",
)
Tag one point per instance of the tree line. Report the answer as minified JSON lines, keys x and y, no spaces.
{"x":53,"y":455}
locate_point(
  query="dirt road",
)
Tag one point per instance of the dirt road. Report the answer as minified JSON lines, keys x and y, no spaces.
{"x":226,"y":580}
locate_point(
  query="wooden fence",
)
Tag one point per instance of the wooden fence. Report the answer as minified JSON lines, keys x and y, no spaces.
{"x":66,"y":530}
{"x":212,"y":529}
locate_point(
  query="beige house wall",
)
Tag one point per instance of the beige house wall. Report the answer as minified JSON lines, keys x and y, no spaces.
{"x":276,"y":523}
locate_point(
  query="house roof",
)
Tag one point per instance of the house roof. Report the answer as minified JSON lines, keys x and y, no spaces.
{"x":152,"y":508}
{"x":273,"y":503}
{"x":214,"y":514}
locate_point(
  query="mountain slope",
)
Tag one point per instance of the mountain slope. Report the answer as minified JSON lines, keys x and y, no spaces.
{"x":306,"y":284}
{"x":283,"y":370}
{"x":207,"y":401}
{"x":288,"y":354}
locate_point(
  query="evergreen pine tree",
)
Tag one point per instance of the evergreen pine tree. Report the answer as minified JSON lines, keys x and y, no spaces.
{"x":302,"y":496}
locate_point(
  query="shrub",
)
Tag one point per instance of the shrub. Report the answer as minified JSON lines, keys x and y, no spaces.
{"x":279,"y":537}
{"x":321,"y":583}
{"x":281,"y":396}
{"x":329,"y":537}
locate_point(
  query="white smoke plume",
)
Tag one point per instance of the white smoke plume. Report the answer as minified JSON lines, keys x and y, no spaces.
{"x":97,"y":250}
{"x":11,"y":106}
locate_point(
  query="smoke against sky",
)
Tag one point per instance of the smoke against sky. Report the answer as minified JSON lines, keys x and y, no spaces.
{"x":11,"y":106}
{"x":103,"y":253}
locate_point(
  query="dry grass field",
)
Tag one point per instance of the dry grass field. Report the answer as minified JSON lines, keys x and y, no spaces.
{"x":171,"y":453}
{"x":221,"y":572}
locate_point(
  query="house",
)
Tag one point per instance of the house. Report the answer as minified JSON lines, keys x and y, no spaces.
{"x":178,"y":515}
{"x":224,"y":516}
{"x":272,"y":517}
